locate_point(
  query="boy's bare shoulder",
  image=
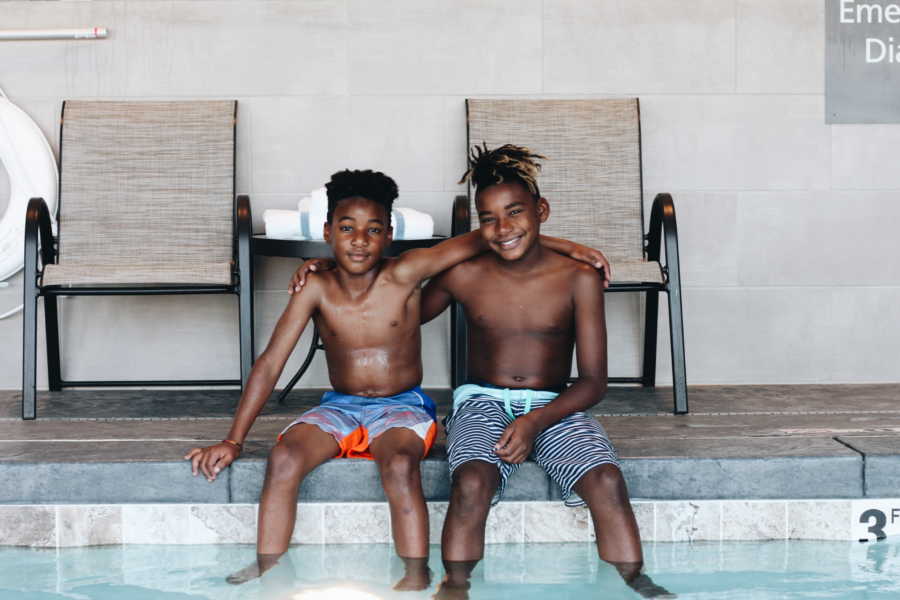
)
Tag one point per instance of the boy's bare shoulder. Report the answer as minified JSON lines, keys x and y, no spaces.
{"x":388,"y":273}
{"x":388,"y":268}
{"x":317,"y":285}
{"x":581,"y":274}
{"x":587,"y":282}
{"x":561,"y":261}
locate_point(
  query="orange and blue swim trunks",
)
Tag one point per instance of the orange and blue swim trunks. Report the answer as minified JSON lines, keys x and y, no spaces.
{"x":354,"y":421}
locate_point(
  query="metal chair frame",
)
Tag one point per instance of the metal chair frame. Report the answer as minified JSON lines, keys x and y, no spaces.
{"x":41,"y":248}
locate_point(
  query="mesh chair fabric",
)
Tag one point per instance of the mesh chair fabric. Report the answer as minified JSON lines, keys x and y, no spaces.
{"x":146,"y":192}
{"x":175,"y":274}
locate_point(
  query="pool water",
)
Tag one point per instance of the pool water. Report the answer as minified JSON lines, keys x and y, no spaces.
{"x":708,"y":570}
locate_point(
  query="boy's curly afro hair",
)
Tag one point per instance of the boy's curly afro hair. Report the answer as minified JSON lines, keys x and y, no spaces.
{"x":372,"y":185}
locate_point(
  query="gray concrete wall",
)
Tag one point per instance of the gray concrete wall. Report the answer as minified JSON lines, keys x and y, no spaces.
{"x":786,"y":224}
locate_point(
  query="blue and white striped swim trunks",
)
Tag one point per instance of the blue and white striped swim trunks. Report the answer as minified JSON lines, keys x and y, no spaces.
{"x":566,"y":450}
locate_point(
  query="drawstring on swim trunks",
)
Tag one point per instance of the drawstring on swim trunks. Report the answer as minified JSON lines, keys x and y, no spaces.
{"x":507,"y":401}
{"x":506,"y":395}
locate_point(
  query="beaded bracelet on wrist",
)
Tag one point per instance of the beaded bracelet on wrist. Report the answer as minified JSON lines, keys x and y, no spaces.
{"x":237,"y":445}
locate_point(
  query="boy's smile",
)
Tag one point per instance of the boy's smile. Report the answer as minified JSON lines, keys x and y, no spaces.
{"x":510,"y":219}
{"x":358,"y":233}
{"x":510,"y":244}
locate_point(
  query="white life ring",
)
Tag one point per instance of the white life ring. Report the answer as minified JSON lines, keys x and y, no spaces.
{"x":31,"y":167}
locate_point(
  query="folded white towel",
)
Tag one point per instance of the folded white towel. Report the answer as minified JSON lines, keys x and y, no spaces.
{"x":313,"y":211}
{"x":411,"y":224}
{"x":282,"y":224}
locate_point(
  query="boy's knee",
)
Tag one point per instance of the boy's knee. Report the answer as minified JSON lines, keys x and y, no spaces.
{"x":399,"y":469}
{"x":284,"y":464}
{"x":606,"y":483}
{"x":474,"y":485}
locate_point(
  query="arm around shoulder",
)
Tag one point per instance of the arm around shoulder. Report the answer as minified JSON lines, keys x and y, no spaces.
{"x":417,"y":265}
{"x":580,"y":253}
{"x":436,"y":297}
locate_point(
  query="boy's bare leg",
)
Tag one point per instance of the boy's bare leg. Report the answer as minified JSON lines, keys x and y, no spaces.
{"x":398,"y":454}
{"x":462,"y":541}
{"x":618,"y":539}
{"x":302,"y":449}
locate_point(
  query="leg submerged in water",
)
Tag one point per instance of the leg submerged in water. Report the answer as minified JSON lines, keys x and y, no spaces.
{"x":301,"y":449}
{"x":416,"y":575}
{"x":462,"y":541}
{"x":398,"y":454}
{"x":456,"y":584}
{"x":278,"y":568}
{"x":641,"y":582}
{"x":263,"y":563}
{"x":618,"y":540}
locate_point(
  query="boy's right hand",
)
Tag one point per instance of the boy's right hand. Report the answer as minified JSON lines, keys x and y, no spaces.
{"x":212,"y":459}
{"x":314,"y":265}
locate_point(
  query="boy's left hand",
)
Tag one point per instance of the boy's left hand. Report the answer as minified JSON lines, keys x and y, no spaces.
{"x":595,"y":258}
{"x":517,"y":440}
{"x":311,"y":265}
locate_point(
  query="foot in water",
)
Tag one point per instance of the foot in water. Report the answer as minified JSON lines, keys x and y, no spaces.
{"x":417,"y":575}
{"x":456,"y":583}
{"x":263,"y":563}
{"x":644,"y":586}
{"x":640,"y":582}
{"x":452,"y":591}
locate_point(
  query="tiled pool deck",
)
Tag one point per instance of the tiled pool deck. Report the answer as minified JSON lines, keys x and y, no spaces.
{"x":749,"y":462}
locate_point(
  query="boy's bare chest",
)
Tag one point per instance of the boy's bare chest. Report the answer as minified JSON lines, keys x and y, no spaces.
{"x":370,"y":318}
{"x":504,"y":308}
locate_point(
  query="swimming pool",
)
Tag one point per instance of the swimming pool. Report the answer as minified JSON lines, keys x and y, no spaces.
{"x":709,"y":570}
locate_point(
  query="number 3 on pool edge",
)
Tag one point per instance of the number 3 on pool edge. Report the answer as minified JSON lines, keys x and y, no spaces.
{"x":878,"y":527}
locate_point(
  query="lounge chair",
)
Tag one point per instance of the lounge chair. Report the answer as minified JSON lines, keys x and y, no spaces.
{"x":146,"y":207}
{"x":593,"y":182}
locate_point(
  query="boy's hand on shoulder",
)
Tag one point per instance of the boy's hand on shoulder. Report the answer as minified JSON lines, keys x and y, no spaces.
{"x":211,"y":460}
{"x":595,"y":258}
{"x":517,"y":440}
{"x":313,"y":265}
{"x":578,"y":252}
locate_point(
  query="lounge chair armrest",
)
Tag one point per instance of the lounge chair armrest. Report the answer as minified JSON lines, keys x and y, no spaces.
{"x":461,"y":217}
{"x":38,"y":233}
{"x":663,"y":228}
{"x":243,"y":229}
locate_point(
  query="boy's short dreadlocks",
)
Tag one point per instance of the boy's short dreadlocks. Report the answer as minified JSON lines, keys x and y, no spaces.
{"x":503,"y":164}
{"x":372,"y":185}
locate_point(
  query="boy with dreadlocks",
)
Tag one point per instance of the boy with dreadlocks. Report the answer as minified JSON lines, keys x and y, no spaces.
{"x":367,"y":311}
{"x":526,"y":309}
